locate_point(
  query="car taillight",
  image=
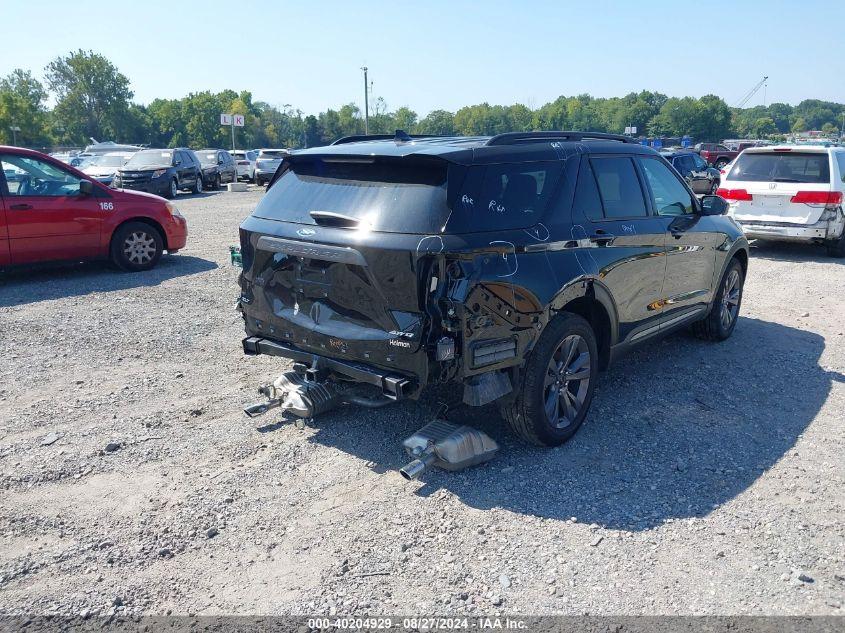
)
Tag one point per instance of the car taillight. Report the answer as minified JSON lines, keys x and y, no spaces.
{"x":734,"y":194}
{"x":817,"y":197}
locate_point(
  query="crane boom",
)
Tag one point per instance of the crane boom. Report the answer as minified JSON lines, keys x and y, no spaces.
{"x":751,"y":92}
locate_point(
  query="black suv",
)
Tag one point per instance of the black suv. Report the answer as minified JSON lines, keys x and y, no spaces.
{"x":161,"y":171}
{"x":517,"y":265}
{"x":218,"y":167}
{"x":699,"y":175}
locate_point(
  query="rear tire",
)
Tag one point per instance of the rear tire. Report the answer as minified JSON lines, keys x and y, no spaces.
{"x":136,"y":246}
{"x":836,"y":248}
{"x":720,"y":163}
{"x":720,"y":322}
{"x":557,"y":384}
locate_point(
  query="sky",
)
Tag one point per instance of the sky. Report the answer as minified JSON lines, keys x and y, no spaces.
{"x":442,"y":55}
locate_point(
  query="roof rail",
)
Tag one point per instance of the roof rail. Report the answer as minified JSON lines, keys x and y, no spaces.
{"x":512,"y":138}
{"x":400,"y":136}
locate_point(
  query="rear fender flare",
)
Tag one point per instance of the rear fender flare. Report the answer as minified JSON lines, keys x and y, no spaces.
{"x":593,"y":289}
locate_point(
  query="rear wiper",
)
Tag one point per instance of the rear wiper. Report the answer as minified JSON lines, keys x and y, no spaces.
{"x":330,"y":218}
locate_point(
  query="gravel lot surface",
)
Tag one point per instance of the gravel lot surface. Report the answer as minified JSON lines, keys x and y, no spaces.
{"x":707,"y":479}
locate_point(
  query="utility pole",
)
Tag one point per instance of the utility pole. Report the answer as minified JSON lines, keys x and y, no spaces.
{"x":366,"y":103}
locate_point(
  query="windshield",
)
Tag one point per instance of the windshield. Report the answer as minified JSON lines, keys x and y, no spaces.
{"x":208,"y":158}
{"x":781,"y":167}
{"x":106,"y":161}
{"x":150,"y":158}
{"x":272,"y":154}
{"x":423,"y":196}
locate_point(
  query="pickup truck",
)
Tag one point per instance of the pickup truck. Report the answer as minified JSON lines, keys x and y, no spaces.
{"x":715,"y":154}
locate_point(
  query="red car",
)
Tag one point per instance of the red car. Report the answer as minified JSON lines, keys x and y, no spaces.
{"x":50,"y":211}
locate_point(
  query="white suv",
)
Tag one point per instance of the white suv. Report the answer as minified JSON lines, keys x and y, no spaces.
{"x":789,"y":193}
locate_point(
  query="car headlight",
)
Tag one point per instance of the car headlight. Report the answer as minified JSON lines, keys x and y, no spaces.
{"x":159,"y":172}
{"x":172,"y":209}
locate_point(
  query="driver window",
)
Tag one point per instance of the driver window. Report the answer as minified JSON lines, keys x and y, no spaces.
{"x":26,"y":176}
{"x":670,"y":197}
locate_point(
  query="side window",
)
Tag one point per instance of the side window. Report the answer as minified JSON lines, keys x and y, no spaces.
{"x":840,"y":158}
{"x":668,"y":193}
{"x":26,"y":176}
{"x":700,"y":165}
{"x":683,"y":164}
{"x":587,"y":197}
{"x":619,"y":188}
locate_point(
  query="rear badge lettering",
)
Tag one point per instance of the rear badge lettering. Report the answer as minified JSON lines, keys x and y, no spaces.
{"x":398,"y":343}
{"x":306,"y":232}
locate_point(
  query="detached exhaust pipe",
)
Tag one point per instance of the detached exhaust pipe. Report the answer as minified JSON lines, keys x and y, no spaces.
{"x":447,"y":446}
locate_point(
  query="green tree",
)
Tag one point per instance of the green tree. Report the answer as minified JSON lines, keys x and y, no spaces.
{"x":22,"y":100}
{"x":800,"y":125}
{"x":439,"y":122}
{"x":764,"y":126}
{"x":92,"y":96}
{"x":405,"y":119}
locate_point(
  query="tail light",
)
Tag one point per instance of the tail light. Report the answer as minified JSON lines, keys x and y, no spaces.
{"x":831,"y":198}
{"x":734,"y":194}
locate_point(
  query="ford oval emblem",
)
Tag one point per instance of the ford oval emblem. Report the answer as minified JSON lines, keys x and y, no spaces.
{"x":306,"y":232}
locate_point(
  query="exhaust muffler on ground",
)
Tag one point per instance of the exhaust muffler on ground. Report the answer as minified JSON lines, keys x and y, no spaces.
{"x":294,"y":394}
{"x":447,"y":446}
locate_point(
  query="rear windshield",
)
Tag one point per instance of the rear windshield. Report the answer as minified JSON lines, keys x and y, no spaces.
{"x":423,"y":196}
{"x":271,"y":154}
{"x":781,"y":167}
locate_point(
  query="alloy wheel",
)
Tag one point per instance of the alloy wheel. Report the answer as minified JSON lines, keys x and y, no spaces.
{"x":730,"y":299}
{"x":567,"y":381}
{"x":174,"y":189}
{"x":139,"y":248}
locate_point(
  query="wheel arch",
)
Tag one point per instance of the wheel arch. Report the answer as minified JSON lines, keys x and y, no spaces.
{"x":144,"y":220}
{"x":595,"y":304}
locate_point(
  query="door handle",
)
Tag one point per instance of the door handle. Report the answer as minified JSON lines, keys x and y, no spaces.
{"x":20,"y":207}
{"x":601,"y":237}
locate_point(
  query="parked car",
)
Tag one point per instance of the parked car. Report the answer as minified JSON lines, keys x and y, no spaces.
{"x":699,"y":176}
{"x":161,"y":171}
{"x":103,"y":167}
{"x":715,"y":154}
{"x":267,"y":163}
{"x":517,"y":266}
{"x":789,"y":193}
{"x":50,"y":211}
{"x":218,"y":167}
{"x":245,"y":161}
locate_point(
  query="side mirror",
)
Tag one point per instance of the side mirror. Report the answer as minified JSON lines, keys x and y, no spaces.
{"x":86,"y":188}
{"x":713,"y":205}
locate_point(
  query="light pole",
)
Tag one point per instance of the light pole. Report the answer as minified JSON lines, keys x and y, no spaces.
{"x":15,"y":129}
{"x":366,"y":103}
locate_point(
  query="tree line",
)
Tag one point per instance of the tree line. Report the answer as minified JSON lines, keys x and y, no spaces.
{"x":93,"y":99}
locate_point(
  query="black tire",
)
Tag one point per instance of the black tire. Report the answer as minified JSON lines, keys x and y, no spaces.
{"x":197,"y":188}
{"x":836,"y":248}
{"x":721,"y":163}
{"x":217,"y":184}
{"x":714,"y":187}
{"x":720,"y":322}
{"x":173,"y":190}
{"x":136,"y":246}
{"x":540,"y":386}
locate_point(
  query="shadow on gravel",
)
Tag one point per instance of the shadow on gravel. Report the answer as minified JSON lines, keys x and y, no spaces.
{"x":20,"y":286}
{"x":789,"y":252}
{"x":675,"y":430}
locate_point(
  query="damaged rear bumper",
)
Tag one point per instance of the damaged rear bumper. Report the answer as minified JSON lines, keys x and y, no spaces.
{"x":393,"y":386}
